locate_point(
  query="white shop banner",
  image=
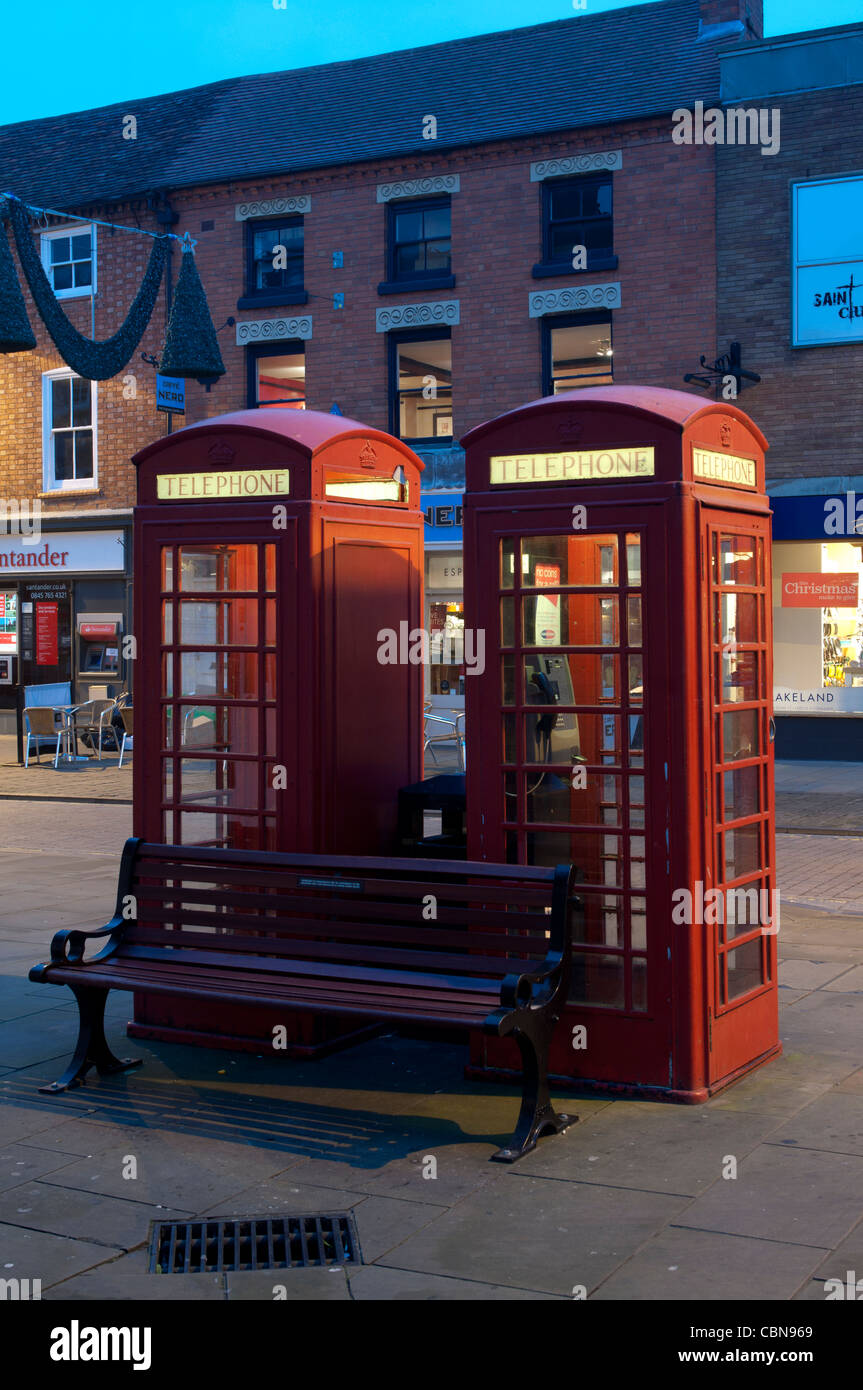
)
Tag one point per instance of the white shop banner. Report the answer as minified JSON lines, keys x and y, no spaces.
{"x":836,"y":699}
{"x":61,"y":552}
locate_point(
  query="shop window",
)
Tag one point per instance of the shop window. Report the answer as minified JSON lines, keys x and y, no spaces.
{"x":576,"y":351}
{"x":577,"y":212}
{"x":277,"y":375}
{"x":69,"y":258}
{"x":69,"y":431}
{"x":421,"y":385}
{"x":418,"y":245}
{"x":274,"y":263}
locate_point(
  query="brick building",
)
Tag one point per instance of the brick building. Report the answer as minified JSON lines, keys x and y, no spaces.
{"x":789,"y":230}
{"x":428,"y":205}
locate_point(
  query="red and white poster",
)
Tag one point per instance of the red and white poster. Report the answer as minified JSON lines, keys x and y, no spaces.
{"x":819,"y":590}
{"x":46,"y":634}
{"x":547,"y":606}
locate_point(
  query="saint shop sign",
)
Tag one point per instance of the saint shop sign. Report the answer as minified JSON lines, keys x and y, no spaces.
{"x":819,"y":590}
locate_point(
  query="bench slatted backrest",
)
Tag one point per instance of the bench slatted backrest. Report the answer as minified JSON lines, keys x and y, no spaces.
{"x":261,"y":910}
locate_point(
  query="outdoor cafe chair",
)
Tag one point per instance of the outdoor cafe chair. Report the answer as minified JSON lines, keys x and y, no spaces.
{"x":127,"y":716}
{"x":40,"y":725}
{"x":456,"y":734}
{"x":93,"y":719}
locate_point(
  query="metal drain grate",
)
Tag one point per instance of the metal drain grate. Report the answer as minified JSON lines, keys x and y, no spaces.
{"x":254,"y":1242}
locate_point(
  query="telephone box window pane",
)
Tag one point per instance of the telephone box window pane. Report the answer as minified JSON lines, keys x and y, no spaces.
{"x":576,"y":561}
{"x":167,"y":569}
{"x":633,"y":620}
{"x":746,"y":909}
{"x":216,"y":568}
{"x":636,"y":740}
{"x":740,"y":682}
{"x":507,"y":680}
{"x":598,"y":980}
{"x":269,"y":677}
{"x":739,"y":618}
{"x":596,"y":855}
{"x":633,"y":561}
{"x":742,"y":793}
{"x":737,"y":560}
{"x":270,"y":622}
{"x":601,"y":922}
{"x":636,"y":679}
{"x":507,"y":563}
{"x":230,"y":729}
{"x":590,"y":679}
{"x":638,"y":923}
{"x":220,"y":782}
{"x":551,"y":797}
{"x":223,"y":675}
{"x":639,"y":984}
{"x":566,"y":737}
{"x":569,"y":620}
{"x":167,"y":675}
{"x":167,"y":623}
{"x":219,"y":829}
{"x":229,"y":622}
{"x":168,"y":726}
{"x":509,"y":745}
{"x":167,"y":779}
{"x":270,"y":568}
{"x":507,"y":623}
{"x":510,"y":797}
{"x":742,"y":851}
{"x":269,"y":728}
{"x":745,"y":968}
{"x":740,"y":732}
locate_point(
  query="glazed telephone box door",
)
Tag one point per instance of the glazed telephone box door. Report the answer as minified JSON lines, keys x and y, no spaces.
{"x":741,"y":915}
{"x":576,"y":711}
{"x":225,"y":769}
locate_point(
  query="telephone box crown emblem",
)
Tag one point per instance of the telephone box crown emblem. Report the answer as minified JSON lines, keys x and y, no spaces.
{"x":368,"y":455}
{"x":220,"y":452}
{"x":725,"y":434}
{"x":570,"y":429}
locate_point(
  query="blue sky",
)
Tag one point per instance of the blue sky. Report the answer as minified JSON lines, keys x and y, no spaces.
{"x":68,"y":57}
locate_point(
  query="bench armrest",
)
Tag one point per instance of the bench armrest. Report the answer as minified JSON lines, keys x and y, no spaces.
{"x":542,"y":985}
{"x":67,"y":946}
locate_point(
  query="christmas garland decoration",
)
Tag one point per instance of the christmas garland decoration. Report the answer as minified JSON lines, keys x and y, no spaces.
{"x":16,"y":335}
{"x":93,"y":360}
{"x":191,"y":347}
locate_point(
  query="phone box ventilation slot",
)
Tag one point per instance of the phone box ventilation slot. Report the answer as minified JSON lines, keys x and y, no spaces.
{"x":255,"y":1242}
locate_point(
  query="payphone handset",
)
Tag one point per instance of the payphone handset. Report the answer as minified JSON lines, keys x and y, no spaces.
{"x":549,"y":682}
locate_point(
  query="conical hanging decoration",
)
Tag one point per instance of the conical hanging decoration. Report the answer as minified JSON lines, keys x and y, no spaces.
{"x":16,"y":335}
{"x":190,"y":347}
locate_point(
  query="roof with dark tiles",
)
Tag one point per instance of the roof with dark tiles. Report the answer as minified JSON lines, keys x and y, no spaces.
{"x":591,"y":69}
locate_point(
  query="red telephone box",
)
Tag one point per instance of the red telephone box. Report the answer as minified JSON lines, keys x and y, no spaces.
{"x":617,"y":555}
{"x":272,"y":548}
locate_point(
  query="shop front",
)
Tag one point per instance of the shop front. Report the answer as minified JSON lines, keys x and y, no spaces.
{"x":818,"y":620}
{"x":444,"y":600}
{"x":65,"y":605}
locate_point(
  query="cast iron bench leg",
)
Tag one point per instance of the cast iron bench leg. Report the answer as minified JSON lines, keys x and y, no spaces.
{"x":92,"y":1049}
{"x":537,"y":1115}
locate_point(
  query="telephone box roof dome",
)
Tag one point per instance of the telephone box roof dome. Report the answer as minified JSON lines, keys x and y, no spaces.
{"x":309,"y":430}
{"x":677,"y":407}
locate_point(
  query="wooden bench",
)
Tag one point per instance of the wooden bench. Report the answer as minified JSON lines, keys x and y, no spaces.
{"x":442,"y":943}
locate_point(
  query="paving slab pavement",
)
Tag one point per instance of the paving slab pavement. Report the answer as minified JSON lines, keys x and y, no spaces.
{"x":630,"y":1203}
